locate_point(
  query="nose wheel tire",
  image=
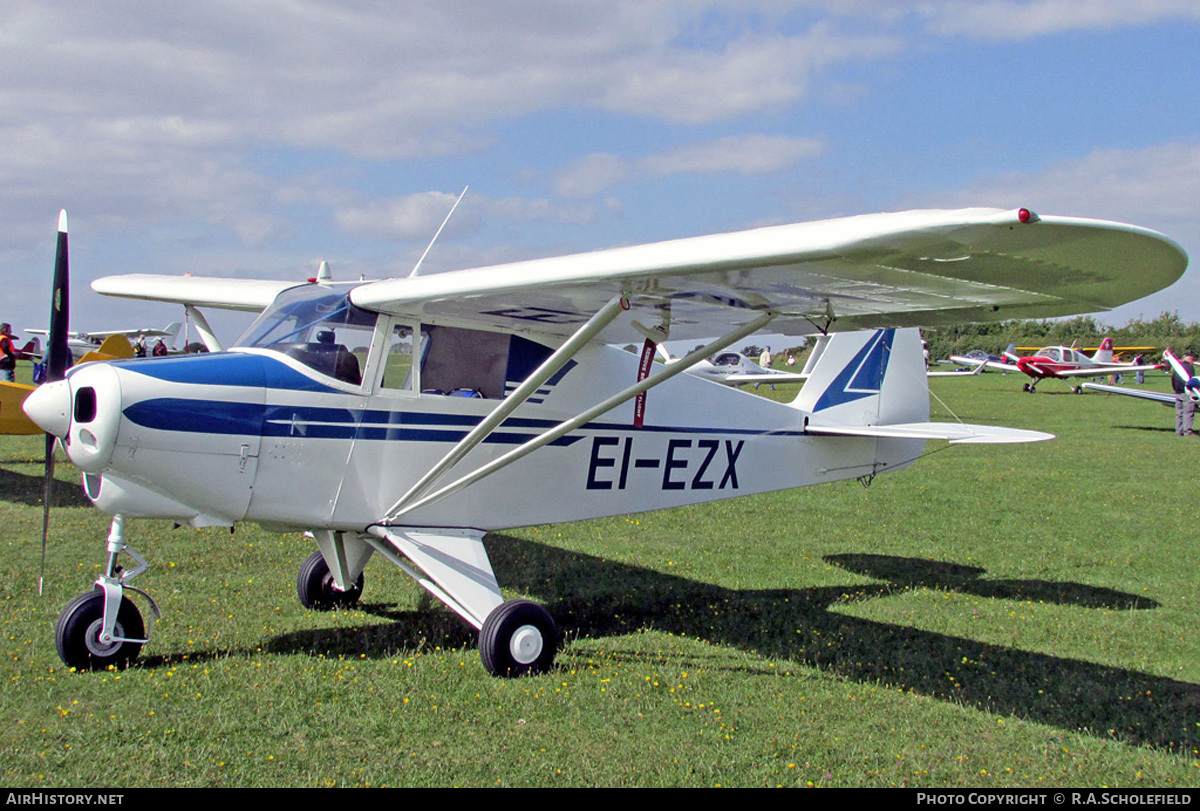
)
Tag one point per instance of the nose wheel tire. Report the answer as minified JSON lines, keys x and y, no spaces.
{"x":518,"y":638}
{"x":316,"y":589}
{"x":77,"y":634}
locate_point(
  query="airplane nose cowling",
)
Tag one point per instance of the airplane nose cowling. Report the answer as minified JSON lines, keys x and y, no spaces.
{"x":49,"y":406}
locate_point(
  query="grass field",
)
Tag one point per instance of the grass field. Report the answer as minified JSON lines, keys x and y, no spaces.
{"x":1019,"y":616}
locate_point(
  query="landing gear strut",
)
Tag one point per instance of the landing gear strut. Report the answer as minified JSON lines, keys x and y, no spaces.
{"x":316,"y":588}
{"x":103,"y":628}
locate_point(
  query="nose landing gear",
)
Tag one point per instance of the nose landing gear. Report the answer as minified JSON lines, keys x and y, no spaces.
{"x":103,"y":628}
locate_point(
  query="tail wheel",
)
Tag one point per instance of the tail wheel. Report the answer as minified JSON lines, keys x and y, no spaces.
{"x":317,"y":590}
{"x":518,"y":638}
{"x":77,"y":634}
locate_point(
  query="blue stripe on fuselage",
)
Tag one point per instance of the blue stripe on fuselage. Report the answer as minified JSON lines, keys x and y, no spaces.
{"x":225,"y":369}
{"x":250,"y":419}
{"x":315,"y":422}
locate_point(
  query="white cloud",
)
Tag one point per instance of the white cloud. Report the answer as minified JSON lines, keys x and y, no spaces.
{"x":591,"y":175}
{"x":1156,"y":186}
{"x":742,"y":154}
{"x":416,"y":217}
{"x":409,"y":217}
{"x":1014,"y":19}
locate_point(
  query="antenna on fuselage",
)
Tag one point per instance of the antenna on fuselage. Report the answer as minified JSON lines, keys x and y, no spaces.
{"x":417,"y":267}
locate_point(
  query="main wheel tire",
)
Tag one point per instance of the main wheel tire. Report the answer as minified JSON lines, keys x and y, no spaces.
{"x":317,"y":591}
{"x":518,"y":638}
{"x":77,"y":634}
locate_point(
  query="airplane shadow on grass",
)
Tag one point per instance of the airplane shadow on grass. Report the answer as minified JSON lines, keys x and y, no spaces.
{"x":594,"y":597}
{"x":21,"y":488}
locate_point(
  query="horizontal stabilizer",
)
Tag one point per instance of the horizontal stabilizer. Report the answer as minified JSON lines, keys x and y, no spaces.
{"x":956,"y":432}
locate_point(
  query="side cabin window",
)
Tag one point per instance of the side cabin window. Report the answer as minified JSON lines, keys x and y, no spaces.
{"x":456,"y":362}
{"x":320,"y":328}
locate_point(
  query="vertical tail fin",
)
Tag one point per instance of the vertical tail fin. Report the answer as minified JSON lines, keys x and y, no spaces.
{"x":1105,"y":353}
{"x":869,"y":378}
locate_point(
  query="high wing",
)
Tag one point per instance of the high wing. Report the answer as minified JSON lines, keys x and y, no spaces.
{"x":198,"y":291}
{"x":979,"y":367}
{"x":741,"y":378}
{"x":988,"y":364}
{"x":101,"y":334}
{"x":908,"y":268}
{"x":1156,"y":396}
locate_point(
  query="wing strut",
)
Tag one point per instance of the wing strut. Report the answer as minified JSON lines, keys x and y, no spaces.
{"x":206,"y":333}
{"x":518,"y":396}
{"x":563,"y":428}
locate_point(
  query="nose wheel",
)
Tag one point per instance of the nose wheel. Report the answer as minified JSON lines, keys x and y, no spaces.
{"x":518,"y":638}
{"x":80,"y":639}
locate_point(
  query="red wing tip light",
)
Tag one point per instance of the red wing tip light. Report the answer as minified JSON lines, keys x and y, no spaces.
{"x":1024,"y":215}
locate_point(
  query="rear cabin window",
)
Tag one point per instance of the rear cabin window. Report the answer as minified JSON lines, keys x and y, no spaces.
{"x":456,"y":362}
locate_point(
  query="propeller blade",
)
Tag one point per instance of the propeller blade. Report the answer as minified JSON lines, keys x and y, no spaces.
{"x":58,"y":359}
{"x":59,"y":354}
{"x":1191,"y":384}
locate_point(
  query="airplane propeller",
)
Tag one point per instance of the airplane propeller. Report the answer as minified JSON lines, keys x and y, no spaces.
{"x":1191,"y":383}
{"x":58,"y":360}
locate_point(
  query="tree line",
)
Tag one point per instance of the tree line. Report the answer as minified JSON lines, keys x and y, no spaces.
{"x":1168,"y":330}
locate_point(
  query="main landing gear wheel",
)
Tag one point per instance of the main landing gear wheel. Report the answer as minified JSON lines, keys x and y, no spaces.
{"x":518,"y":638}
{"x":317,"y":591}
{"x":77,"y":634}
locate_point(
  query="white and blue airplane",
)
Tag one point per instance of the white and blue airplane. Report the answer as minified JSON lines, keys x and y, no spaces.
{"x":735,"y":369}
{"x":409,"y":417}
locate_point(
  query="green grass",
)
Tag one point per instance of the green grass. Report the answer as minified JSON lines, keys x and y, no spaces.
{"x":992,"y":616}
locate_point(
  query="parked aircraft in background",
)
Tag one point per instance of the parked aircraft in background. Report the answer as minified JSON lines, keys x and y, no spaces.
{"x":330,"y":413}
{"x":81,"y":343}
{"x":735,"y":369}
{"x":1062,"y":363}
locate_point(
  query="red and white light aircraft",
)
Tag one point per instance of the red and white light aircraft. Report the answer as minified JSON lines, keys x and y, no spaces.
{"x":1061,"y":363}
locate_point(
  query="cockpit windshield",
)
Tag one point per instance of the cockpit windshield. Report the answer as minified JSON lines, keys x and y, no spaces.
{"x":318,"y":327}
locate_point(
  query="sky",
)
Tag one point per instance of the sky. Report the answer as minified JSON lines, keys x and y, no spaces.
{"x":255,"y":138}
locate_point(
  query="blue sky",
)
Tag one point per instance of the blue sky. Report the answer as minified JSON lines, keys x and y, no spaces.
{"x":255,"y":139}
